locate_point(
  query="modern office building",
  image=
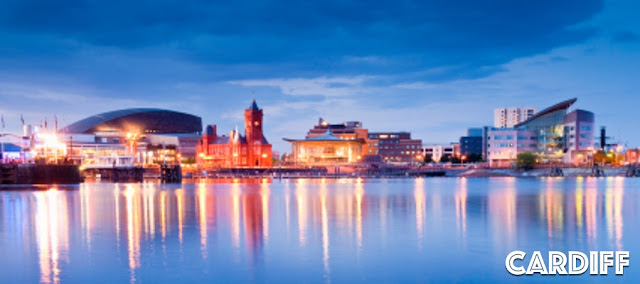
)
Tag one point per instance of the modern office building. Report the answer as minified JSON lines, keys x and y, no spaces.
{"x":236,"y":150}
{"x":578,"y":132}
{"x":509,"y":117}
{"x":554,"y":134}
{"x":471,"y":143}
{"x":502,"y":145}
{"x":555,"y":143}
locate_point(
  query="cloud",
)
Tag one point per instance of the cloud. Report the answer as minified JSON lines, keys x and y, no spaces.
{"x":321,"y":86}
{"x":273,"y":39}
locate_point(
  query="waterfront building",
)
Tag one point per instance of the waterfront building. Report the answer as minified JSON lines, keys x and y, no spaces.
{"x":437,"y":151}
{"x":348,"y":130}
{"x":389,"y":147}
{"x":579,"y":140}
{"x":509,"y":117}
{"x":234,"y":149}
{"x":396,"y":147}
{"x":554,"y":140}
{"x":471,"y":144}
{"x":554,"y":134}
{"x":502,"y":145}
{"x":148,"y":135}
{"x":632,"y":156}
{"x":326,"y":150}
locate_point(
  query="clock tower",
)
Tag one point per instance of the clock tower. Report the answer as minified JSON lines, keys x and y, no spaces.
{"x":253,"y":124}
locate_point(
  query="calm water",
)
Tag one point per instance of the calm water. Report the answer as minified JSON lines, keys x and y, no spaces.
{"x":338,"y":231}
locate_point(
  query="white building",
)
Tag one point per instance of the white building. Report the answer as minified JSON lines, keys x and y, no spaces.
{"x":509,"y":117}
{"x":502,"y":145}
{"x":437,"y":151}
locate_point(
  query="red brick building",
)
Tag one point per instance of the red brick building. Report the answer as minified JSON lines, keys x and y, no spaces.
{"x":235,"y":150}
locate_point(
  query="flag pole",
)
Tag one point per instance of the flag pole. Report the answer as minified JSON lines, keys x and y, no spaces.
{"x":2,"y":141}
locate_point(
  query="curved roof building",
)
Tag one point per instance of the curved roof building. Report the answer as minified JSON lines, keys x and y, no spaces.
{"x":140,"y":120}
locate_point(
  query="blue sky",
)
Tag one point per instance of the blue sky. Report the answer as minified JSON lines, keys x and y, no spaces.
{"x":430,"y":67}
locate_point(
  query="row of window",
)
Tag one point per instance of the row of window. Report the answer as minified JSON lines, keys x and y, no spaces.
{"x":401,"y":147}
{"x":510,"y":137}
{"x":506,"y":145}
{"x":383,"y":136}
{"x":582,"y":127}
{"x":400,"y":152}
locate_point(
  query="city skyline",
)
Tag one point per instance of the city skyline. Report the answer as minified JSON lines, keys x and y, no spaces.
{"x":425,"y":68}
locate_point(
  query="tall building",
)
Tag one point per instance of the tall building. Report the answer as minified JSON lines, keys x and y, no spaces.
{"x":235,"y":150}
{"x":578,"y":133}
{"x":509,"y":117}
{"x":560,"y":137}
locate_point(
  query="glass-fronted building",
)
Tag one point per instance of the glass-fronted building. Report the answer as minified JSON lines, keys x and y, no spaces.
{"x":548,"y":124}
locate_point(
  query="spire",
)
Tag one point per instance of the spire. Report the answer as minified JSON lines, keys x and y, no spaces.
{"x":236,"y":135}
{"x":254,"y":105}
{"x":329,"y":132}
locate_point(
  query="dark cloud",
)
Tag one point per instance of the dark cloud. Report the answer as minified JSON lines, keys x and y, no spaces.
{"x":261,"y":39}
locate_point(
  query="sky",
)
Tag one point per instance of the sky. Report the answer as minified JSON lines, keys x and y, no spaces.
{"x":434,"y":68}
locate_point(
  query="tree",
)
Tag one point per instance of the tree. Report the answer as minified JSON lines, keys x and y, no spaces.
{"x":526,"y":160}
{"x":428,"y":158}
{"x":445,"y":158}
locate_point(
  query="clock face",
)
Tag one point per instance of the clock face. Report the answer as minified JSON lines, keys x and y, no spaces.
{"x":256,"y":123}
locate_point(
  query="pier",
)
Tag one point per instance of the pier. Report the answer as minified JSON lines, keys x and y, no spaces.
{"x":39,"y":174}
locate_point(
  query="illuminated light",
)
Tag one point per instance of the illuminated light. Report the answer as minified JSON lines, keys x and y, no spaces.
{"x":202,"y":206}
{"x":235,"y":215}
{"x":325,"y":229}
{"x":264,"y":155}
{"x":180,"y":204}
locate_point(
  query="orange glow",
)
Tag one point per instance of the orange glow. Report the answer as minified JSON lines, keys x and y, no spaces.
{"x":202,"y":210}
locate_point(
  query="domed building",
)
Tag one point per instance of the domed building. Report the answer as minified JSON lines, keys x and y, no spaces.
{"x":138,"y":120}
{"x":148,"y":135}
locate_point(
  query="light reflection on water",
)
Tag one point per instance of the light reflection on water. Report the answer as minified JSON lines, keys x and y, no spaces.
{"x":398,"y":230}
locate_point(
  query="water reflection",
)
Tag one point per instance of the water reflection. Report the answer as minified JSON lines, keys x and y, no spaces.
{"x":52,"y":232}
{"x":330,"y":221}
